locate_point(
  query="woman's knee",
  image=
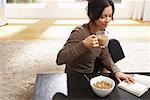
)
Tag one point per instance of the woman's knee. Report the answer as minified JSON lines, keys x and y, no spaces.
{"x":115,"y":50}
{"x":114,"y":42}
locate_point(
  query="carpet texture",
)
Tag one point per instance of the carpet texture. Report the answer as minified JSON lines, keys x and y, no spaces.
{"x":22,"y":60}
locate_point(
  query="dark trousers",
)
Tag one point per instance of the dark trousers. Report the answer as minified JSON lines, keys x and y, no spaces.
{"x":116,"y":53}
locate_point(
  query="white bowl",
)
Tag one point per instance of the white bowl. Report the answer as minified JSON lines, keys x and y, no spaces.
{"x":102,"y":92}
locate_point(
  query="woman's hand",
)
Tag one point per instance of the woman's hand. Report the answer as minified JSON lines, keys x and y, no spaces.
{"x":91,"y":41}
{"x":121,"y":76}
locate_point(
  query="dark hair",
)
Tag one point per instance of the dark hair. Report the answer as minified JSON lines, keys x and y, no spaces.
{"x":96,"y":7}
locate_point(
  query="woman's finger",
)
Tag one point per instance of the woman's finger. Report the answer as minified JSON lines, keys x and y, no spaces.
{"x":131,"y":79}
{"x":118,"y":79}
{"x":127,"y":80}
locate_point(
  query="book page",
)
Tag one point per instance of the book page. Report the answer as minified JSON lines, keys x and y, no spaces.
{"x":142,"y":79}
{"x":136,"y":88}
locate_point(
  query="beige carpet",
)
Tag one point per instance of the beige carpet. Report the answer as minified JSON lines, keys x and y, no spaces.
{"x":22,"y":60}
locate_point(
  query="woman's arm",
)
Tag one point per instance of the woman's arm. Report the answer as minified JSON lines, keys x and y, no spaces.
{"x":72,"y":49}
{"x":107,"y":61}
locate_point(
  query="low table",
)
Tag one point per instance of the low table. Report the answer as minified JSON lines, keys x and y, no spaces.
{"x":62,"y":86}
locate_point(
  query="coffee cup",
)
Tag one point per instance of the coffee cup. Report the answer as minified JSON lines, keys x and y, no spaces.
{"x":103,"y":38}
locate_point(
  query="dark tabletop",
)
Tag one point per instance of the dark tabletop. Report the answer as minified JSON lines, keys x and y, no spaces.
{"x":59,"y":86}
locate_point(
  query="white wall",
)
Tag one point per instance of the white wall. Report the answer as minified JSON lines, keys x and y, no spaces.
{"x":52,"y":9}
{"x":2,"y":12}
{"x":125,"y":9}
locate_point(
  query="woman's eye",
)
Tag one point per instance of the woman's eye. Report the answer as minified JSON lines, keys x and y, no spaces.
{"x":103,"y":16}
{"x":110,"y":16}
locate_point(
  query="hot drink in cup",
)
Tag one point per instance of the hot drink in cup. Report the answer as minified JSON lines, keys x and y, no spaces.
{"x":103,"y":38}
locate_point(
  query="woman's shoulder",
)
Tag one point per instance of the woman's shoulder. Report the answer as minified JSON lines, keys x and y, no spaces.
{"x":80,"y":32}
{"x":82,"y":28}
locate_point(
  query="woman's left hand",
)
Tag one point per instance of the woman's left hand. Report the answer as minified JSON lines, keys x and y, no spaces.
{"x":122,"y":76}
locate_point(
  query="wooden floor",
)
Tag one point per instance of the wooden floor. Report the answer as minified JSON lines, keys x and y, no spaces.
{"x":61,"y":28}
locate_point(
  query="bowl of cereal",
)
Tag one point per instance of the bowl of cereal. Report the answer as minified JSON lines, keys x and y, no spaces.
{"x":102,"y":85}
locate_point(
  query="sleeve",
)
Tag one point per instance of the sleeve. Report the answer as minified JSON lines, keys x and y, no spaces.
{"x":107,"y":61}
{"x":72,"y":49}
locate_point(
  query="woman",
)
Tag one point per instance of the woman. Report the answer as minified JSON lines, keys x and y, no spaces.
{"x":82,"y":48}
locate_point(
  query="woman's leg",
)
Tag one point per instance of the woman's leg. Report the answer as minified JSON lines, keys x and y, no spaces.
{"x":116,"y":53}
{"x":115,"y":50}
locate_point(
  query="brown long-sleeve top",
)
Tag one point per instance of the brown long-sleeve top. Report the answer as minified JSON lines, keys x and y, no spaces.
{"x":80,"y":59}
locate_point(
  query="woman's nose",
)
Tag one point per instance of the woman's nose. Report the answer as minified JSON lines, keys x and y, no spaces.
{"x":108,"y":19}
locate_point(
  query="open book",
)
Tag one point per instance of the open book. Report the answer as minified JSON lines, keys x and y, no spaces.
{"x":141,"y":85}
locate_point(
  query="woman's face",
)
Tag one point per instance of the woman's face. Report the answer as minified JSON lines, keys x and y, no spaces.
{"x":105,"y":18}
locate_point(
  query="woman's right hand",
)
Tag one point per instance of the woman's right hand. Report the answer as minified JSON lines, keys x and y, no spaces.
{"x":91,"y":41}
